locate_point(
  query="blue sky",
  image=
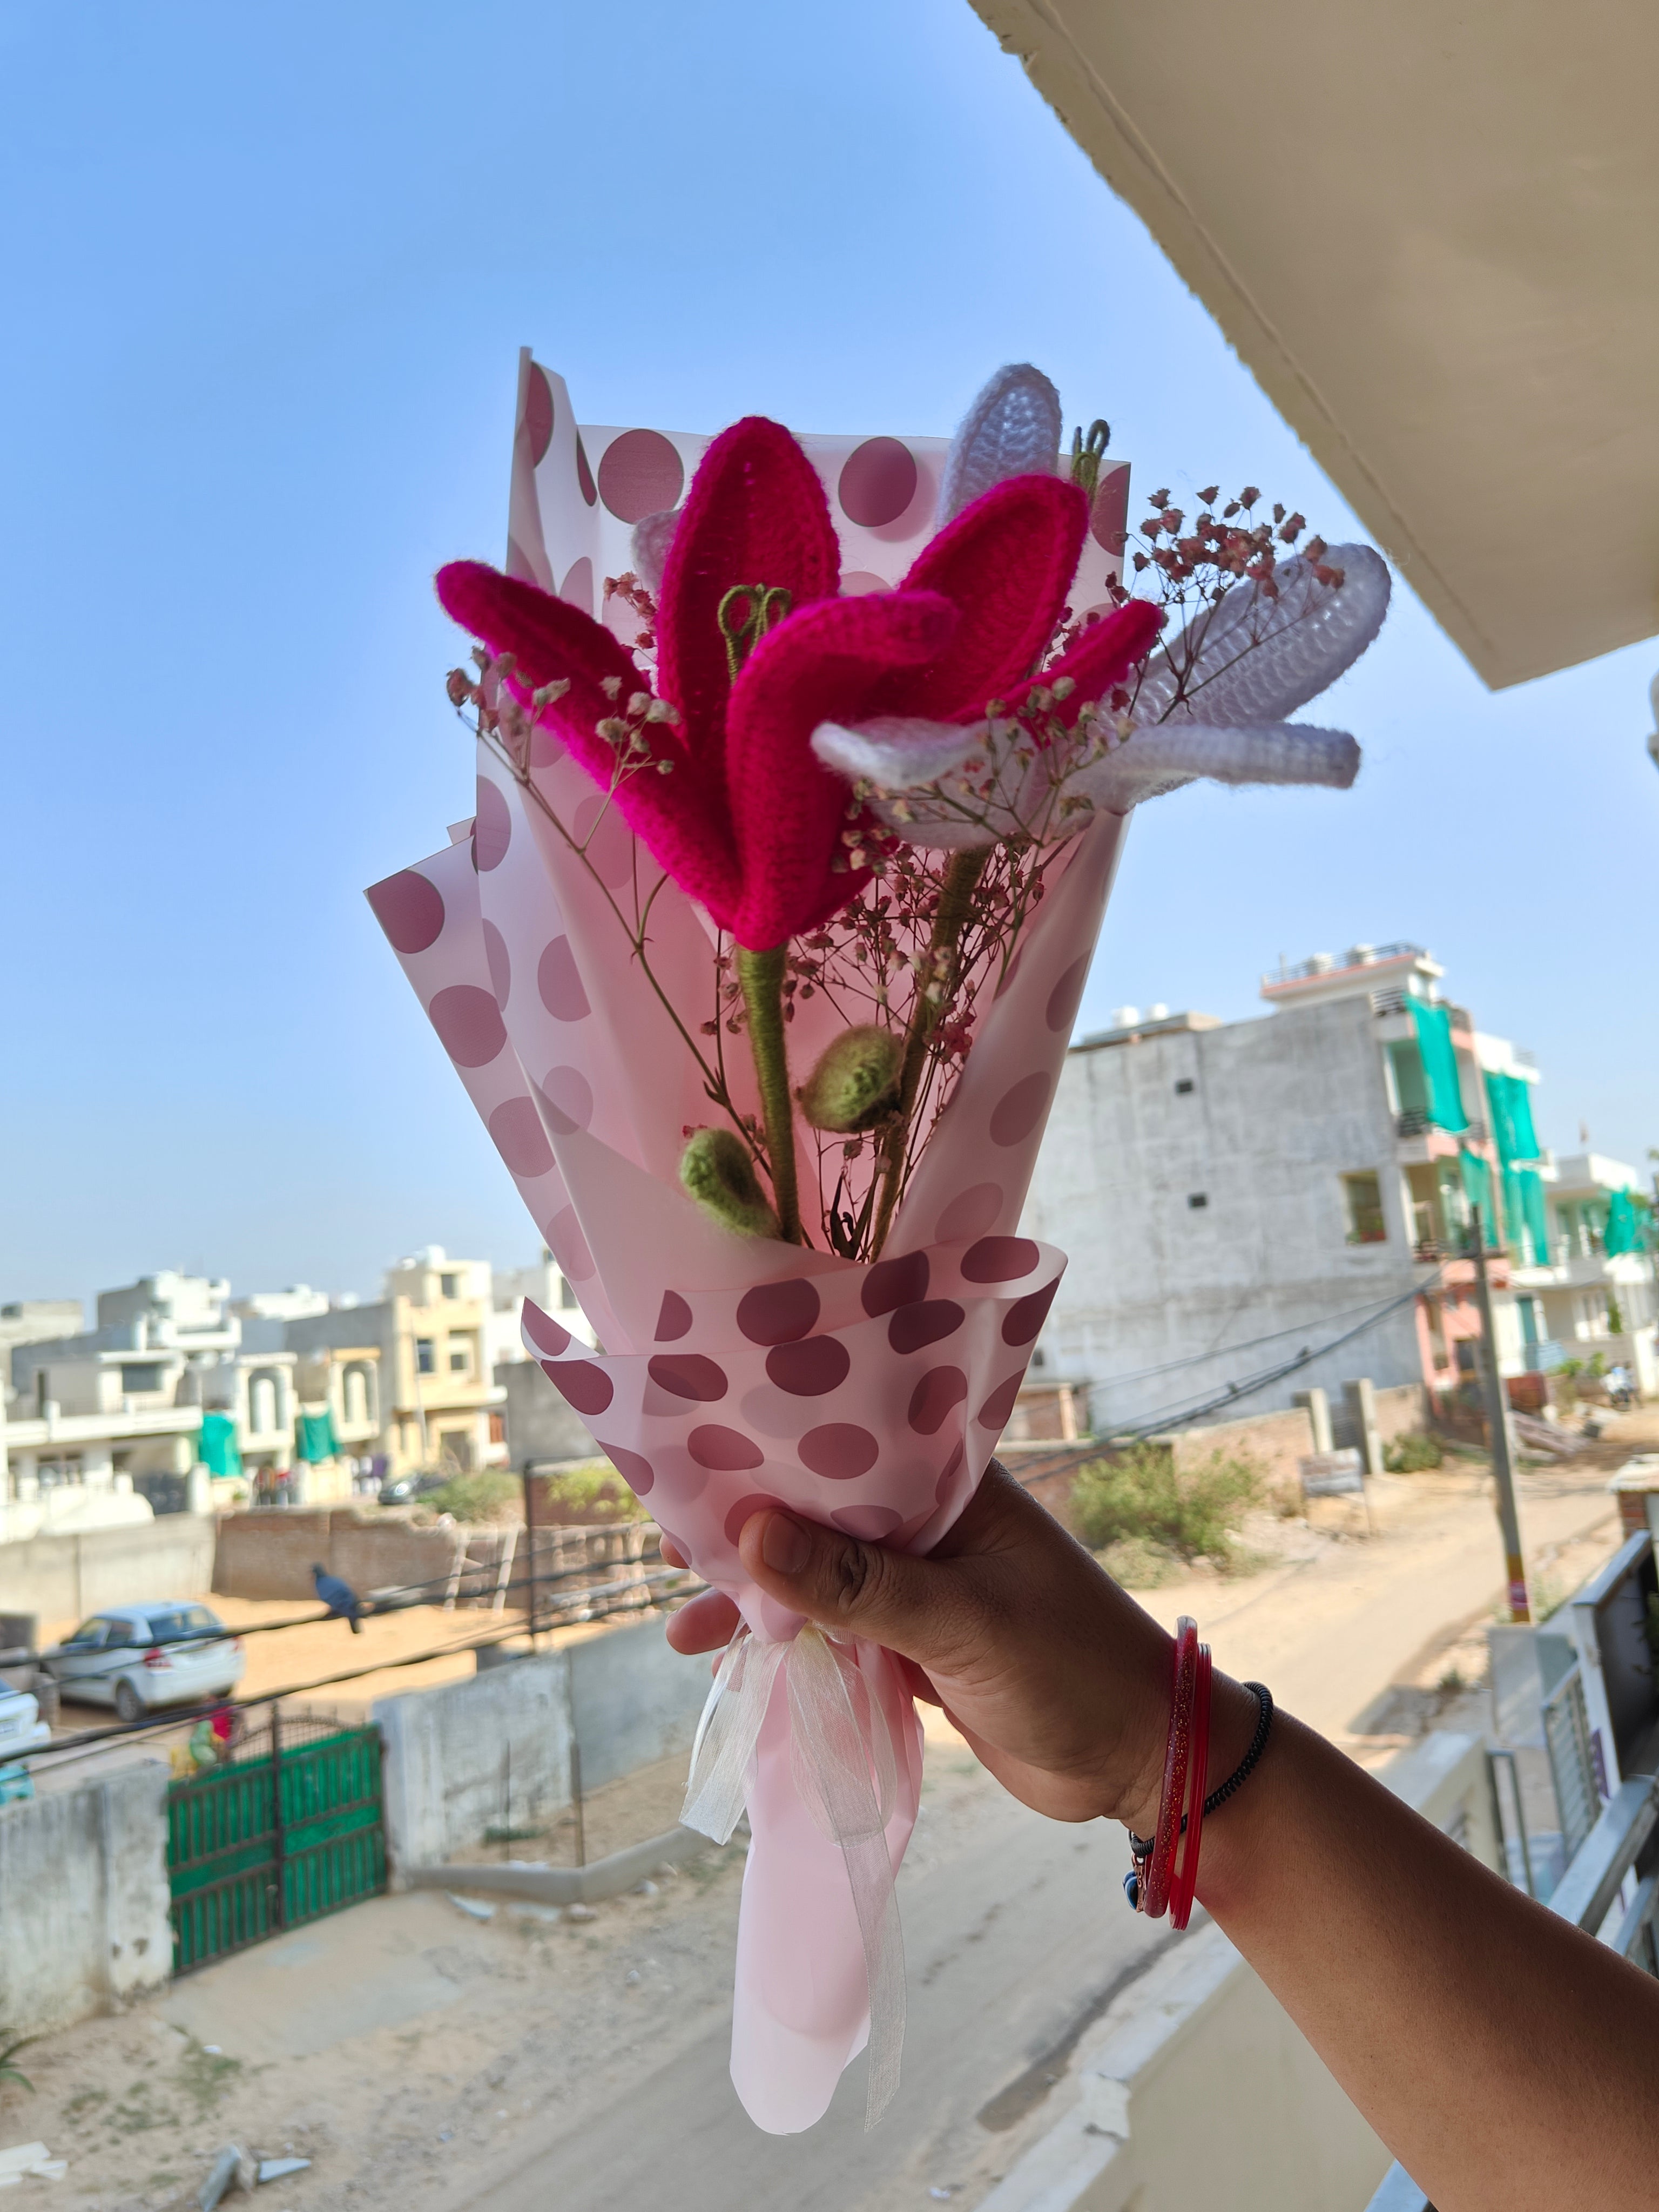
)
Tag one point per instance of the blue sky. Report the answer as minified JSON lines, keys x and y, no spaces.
{"x":267,"y":271}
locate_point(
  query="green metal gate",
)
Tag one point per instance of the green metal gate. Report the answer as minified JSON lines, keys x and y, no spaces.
{"x":289,"y":1830}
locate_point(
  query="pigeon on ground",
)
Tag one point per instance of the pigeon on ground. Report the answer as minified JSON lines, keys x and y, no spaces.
{"x":342,"y":1600}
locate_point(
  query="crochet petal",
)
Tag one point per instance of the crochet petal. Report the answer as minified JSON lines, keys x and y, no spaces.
{"x":1007,"y":561}
{"x":1252,"y":659}
{"x":1103,"y":656}
{"x":787,"y":810}
{"x":1162,"y":758}
{"x":896,"y":752}
{"x":1012,"y":429}
{"x":756,"y":513}
{"x":678,"y":817}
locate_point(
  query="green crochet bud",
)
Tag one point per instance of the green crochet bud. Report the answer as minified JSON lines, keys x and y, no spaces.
{"x":717,"y":1171}
{"x":855,"y":1082}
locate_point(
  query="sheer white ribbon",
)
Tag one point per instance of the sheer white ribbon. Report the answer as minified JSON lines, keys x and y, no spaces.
{"x":842,"y":1764}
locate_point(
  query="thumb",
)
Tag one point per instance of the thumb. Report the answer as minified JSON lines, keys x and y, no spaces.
{"x":914,"y":1607}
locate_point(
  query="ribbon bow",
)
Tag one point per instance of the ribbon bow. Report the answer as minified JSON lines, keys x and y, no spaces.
{"x":843,"y":1765}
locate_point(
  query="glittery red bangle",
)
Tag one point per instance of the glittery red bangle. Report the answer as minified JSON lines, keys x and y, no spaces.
{"x":1160,"y":1866}
{"x":1185,"y":1879}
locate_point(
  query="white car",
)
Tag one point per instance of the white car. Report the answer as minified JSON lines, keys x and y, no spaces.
{"x":20,"y":1725}
{"x":136,"y":1656}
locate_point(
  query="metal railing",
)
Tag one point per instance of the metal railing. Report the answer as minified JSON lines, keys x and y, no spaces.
{"x":1585,"y":1895}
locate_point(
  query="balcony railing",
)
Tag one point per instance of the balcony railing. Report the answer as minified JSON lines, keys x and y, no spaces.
{"x":1585,"y":1895}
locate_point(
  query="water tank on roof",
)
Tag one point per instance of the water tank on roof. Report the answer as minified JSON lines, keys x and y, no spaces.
{"x":1125,"y":1018}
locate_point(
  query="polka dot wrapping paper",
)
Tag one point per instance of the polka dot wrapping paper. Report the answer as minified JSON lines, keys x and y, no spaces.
{"x":736,"y":1372}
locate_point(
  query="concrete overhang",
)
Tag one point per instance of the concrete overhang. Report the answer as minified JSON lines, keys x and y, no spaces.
{"x":1432,"y":233}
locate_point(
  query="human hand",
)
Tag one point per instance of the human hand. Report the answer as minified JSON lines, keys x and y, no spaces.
{"x":1057,"y":1679}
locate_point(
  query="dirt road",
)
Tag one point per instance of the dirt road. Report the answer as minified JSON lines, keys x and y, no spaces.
{"x":436,"y":2063}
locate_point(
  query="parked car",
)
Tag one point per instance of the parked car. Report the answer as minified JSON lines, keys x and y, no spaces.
{"x":136,"y":1656}
{"x":405,"y":1489}
{"x":20,"y":1725}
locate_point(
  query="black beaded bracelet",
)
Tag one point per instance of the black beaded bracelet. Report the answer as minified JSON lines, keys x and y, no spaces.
{"x":1140,"y":1847}
{"x":1241,"y":1774}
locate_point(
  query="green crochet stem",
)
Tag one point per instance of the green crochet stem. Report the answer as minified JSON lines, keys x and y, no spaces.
{"x":955,"y":901}
{"x":761,"y":974}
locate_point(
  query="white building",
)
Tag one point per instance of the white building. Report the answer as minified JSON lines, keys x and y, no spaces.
{"x":1585,"y":1302}
{"x":1237,"y":1195}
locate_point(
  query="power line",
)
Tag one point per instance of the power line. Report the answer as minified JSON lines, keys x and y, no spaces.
{"x":1235,"y":1393}
{"x":1247,"y":1344}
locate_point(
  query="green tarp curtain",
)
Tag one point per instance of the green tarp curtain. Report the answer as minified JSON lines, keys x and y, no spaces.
{"x":1627,"y":1223}
{"x":1526,"y":1217}
{"x":1477,"y":1189}
{"x":1510,"y":1102}
{"x":216,"y":1447}
{"x":314,"y":1438}
{"x":1434,"y":1045}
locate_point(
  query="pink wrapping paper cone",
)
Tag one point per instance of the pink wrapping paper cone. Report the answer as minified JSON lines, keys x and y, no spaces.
{"x":740,"y":1372}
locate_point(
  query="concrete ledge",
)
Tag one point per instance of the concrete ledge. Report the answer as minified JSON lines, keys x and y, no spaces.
{"x":608,"y":1877}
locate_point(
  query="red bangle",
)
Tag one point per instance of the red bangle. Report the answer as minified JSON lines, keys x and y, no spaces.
{"x":1160,"y":1866}
{"x":1185,"y":1881}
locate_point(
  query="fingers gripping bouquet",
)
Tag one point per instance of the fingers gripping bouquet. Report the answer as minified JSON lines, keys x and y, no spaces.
{"x":760,"y":959}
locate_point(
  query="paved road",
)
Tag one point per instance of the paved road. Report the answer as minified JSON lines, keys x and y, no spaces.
{"x":1016,"y":1935}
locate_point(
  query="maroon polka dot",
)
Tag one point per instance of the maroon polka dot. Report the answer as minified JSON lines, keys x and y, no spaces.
{"x":999,"y":1258}
{"x":778,"y":1313}
{"x":745,"y":1510}
{"x":726,"y":1450}
{"x":560,"y":983}
{"x":1108,"y":511}
{"x":583,"y":473}
{"x":1011,"y":973}
{"x":569,"y":1247}
{"x":1067,"y":995}
{"x":994,"y":1413}
{"x":858,"y":583}
{"x":543,"y":1332}
{"x":940,"y":1388}
{"x":569,"y":1099}
{"x":537,"y":412}
{"x":516,"y":1130}
{"x":409,"y":910}
{"x":970,"y":1212}
{"x":635,"y":1469}
{"x":640,"y":473}
{"x":808,"y":1370}
{"x":1025,"y":1317}
{"x":687,"y":1375}
{"x":673,"y":1317}
{"x":577,"y":585}
{"x":1018,"y":1112}
{"x":546,"y":746}
{"x":492,"y":827}
{"x":893,"y":1283}
{"x":871,"y":1524}
{"x":500,"y":966}
{"x":840,"y":1451}
{"x":942,"y":1488}
{"x":588,"y":1387}
{"x":606,"y":841}
{"x":930,"y":1322}
{"x":878,"y":482}
{"x":469,"y":1024}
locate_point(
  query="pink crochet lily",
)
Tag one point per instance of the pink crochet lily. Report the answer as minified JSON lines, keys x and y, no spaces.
{"x":749,"y":821}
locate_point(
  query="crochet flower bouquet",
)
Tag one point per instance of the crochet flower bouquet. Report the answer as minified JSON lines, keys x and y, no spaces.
{"x":759,"y":960}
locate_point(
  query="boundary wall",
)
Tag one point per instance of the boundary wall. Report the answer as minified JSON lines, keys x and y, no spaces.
{"x":1199,"y":2088}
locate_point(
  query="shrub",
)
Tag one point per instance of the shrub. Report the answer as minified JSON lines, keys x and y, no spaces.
{"x":490,"y":1494}
{"x":594,"y":1492}
{"x":1411,"y":1452}
{"x":1140,"y":1494}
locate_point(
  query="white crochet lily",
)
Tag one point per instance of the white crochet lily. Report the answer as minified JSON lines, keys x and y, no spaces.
{"x":1211,"y":704}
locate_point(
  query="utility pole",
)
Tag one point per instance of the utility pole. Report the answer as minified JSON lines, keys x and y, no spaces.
{"x":1497,"y":1422}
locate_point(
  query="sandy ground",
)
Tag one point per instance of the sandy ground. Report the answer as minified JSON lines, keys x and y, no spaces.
{"x":434,"y":2061}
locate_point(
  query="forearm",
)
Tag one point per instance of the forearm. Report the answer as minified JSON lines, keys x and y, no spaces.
{"x":1485,"y":2040}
